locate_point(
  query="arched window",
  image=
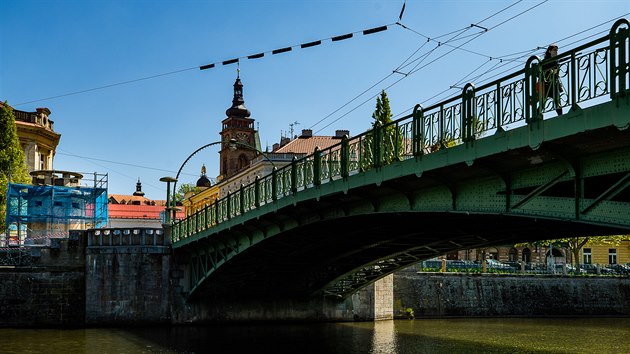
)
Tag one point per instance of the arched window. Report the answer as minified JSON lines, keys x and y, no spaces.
{"x":492,"y":253}
{"x":513,"y":255}
{"x":527,"y":255}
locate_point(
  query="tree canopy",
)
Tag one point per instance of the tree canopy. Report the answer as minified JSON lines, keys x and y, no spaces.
{"x":183,"y":189}
{"x":383,"y":113}
{"x":575,"y":244}
{"x":12,"y":162}
{"x":390,"y":141}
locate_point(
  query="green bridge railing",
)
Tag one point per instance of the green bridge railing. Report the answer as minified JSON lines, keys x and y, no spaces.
{"x":598,"y":69}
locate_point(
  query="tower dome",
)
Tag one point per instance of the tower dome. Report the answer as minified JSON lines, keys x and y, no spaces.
{"x":203,"y":181}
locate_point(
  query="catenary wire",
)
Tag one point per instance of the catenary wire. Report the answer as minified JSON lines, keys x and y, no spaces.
{"x":416,"y":70}
{"x":119,"y":163}
{"x":225,"y":62}
{"x":425,"y":55}
{"x":526,"y":53}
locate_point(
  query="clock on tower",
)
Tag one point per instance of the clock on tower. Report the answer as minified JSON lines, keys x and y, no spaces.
{"x":242,"y":137}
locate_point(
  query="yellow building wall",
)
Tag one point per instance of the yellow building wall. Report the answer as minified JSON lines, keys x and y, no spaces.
{"x":198,"y":201}
{"x":599,"y":253}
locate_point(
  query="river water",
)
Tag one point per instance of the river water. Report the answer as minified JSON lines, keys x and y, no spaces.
{"x":568,"y":335}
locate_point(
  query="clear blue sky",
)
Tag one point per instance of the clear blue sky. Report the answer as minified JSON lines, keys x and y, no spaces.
{"x":50,"y":48}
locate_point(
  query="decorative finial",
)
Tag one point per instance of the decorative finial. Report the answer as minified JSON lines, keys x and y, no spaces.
{"x":238,"y":69}
{"x":203,"y":170}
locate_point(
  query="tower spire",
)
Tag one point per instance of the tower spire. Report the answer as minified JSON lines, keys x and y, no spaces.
{"x":138,"y":192}
{"x":238,"y":108}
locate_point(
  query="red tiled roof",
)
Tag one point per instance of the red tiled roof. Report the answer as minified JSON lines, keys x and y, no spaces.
{"x":124,"y":211}
{"x":306,"y":145}
{"x":119,"y":198}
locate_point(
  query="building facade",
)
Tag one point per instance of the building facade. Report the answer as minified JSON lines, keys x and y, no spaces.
{"x":37,"y":137}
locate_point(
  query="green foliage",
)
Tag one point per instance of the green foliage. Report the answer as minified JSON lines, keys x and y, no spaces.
{"x":183,"y":189}
{"x":575,"y":244}
{"x":383,"y":113}
{"x":12,"y":162}
{"x":409,"y":313}
{"x":391,"y":143}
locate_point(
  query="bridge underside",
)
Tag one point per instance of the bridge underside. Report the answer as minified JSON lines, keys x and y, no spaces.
{"x":306,"y":260}
{"x":516,"y":186}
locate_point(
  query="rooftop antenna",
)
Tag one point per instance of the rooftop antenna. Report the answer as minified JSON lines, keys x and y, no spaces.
{"x":291,"y":128}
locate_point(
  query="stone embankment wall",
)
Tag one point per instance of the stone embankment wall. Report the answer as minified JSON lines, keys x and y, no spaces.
{"x":483,"y":295}
{"x":48,"y":293}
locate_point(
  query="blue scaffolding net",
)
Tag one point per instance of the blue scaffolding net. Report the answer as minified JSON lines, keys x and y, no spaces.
{"x":36,"y":213}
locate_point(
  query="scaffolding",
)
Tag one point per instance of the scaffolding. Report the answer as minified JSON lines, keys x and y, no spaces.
{"x":40,"y":212}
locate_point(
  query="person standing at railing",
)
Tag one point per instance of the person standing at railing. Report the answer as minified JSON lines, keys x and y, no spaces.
{"x":551,"y":77}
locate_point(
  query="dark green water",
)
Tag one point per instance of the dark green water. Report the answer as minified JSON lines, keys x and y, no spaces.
{"x":600,"y":335}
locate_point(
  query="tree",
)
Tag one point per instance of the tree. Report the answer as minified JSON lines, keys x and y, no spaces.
{"x":383,"y":113}
{"x":392,"y":142}
{"x":12,"y":162}
{"x":183,"y":189}
{"x":575,"y":244}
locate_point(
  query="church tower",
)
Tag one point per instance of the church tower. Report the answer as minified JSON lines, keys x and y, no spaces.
{"x":239,"y":126}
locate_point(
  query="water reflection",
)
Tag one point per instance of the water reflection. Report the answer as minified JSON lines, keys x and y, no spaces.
{"x":384,"y":338}
{"x":600,"y":335}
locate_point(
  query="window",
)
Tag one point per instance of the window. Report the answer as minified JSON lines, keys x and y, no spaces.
{"x":42,"y":165}
{"x":588,"y":256}
{"x":513,"y":255}
{"x":612,"y":256}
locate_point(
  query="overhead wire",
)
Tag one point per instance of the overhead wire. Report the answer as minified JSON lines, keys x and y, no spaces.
{"x":522,"y":54}
{"x":424,"y":56}
{"x":418,"y":69}
{"x":212,"y":65}
{"x":119,"y":163}
{"x":92,"y":159}
{"x":105,"y":86}
{"x":122,"y":174}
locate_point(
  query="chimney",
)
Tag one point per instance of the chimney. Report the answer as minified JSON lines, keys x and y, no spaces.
{"x":284,"y":140}
{"x":340,"y":133}
{"x":306,"y":133}
{"x":275,"y":147}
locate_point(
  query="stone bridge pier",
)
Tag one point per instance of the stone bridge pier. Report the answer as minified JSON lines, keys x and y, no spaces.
{"x":133,"y":278}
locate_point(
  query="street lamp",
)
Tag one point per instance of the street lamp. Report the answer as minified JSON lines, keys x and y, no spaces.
{"x":232,"y":145}
{"x":167,"y":213}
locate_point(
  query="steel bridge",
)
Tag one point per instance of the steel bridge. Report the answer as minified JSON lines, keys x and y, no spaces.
{"x":493,"y":165}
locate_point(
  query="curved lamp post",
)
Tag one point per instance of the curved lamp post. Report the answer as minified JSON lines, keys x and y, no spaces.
{"x":232,"y":144}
